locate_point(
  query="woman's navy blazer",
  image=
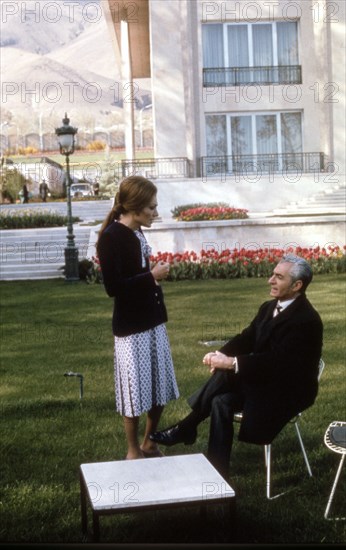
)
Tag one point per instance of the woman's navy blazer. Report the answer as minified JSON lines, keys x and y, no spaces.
{"x":138,"y":299}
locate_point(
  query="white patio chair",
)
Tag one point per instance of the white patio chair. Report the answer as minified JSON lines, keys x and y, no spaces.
{"x":335,"y":440}
{"x":267,"y":448}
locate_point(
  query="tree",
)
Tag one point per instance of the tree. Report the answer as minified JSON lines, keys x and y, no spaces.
{"x":11,"y":182}
{"x":109,"y":179}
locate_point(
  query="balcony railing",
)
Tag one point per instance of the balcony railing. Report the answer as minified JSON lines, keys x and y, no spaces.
{"x":176,"y":167}
{"x":243,"y":76}
{"x":301,"y":163}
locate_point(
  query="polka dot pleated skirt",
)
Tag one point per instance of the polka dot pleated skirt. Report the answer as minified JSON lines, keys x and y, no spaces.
{"x":143,"y":371}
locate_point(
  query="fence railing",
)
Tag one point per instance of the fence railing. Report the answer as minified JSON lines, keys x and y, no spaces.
{"x":175,"y":167}
{"x":263,"y":164}
{"x":242,"y":76}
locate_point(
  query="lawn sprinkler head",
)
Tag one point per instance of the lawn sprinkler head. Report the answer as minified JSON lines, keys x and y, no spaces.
{"x":80,"y":376}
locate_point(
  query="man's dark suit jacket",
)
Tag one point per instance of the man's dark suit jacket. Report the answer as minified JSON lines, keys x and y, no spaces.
{"x":278,"y":368}
{"x":138,"y":300}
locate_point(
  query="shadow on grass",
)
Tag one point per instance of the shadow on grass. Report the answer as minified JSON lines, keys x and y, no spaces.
{"x":178,"y":526}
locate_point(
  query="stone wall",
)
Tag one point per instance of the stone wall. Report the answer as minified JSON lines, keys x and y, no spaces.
{"x":252,"y":234}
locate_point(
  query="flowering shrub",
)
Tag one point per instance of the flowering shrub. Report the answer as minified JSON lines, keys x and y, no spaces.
{"x":96,"y":145}
{"x":237,"y":263}
{"x":27,"y":150}
{"x":203,"y":213}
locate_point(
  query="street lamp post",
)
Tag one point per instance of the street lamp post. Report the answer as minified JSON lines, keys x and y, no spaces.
{"x":66,"y":143}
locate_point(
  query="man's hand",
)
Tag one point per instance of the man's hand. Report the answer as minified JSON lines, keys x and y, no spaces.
{"x":218,"y":360}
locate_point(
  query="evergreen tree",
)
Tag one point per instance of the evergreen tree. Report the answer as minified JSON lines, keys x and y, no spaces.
{"x":109,"y":179}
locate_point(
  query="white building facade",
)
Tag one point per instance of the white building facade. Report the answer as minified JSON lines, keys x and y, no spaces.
{"x":260,"y":82}
{"x":251,"y":94}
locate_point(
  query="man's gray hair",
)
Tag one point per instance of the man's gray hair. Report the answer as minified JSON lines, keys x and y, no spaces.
{"x":300,"y":270}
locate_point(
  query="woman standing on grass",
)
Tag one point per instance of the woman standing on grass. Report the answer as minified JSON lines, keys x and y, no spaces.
{"x":144,"y":373}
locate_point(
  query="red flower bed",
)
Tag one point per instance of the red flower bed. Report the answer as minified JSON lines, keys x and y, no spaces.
{"x":237,"y":263}
{"x":205,"y":213}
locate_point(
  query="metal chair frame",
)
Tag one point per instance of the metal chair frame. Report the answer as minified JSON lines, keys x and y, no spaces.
{"x":336,"y":449}
{"x":267,"y":448}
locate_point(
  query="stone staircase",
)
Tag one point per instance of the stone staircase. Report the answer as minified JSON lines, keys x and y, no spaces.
{"x":38,"y":253}
{"x":328,"y":201}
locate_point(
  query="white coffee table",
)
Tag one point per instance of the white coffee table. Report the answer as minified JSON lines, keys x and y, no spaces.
{"x":150,"y":483}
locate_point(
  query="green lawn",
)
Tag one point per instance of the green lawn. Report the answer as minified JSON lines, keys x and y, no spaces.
{"x":50,"y":327}
{"x":80,"y":157}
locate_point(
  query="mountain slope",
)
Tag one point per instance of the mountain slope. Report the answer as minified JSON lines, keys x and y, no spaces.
{"x":50,"y":67}
{"x":93,"y":50}
{"x":41,"y":27}
{"x":30,"y":78}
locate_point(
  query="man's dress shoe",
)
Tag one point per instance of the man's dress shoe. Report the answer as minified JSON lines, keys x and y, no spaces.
{"x":173,"y":435}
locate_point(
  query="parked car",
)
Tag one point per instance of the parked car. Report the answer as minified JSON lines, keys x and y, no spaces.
{"x":82,"y":190}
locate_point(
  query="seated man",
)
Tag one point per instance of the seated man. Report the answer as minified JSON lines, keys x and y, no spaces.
{"x":269,"y":371}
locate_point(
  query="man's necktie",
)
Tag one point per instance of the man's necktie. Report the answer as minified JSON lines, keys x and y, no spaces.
{"x":277,"y":310}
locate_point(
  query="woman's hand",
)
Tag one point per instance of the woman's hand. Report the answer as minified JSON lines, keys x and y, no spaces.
{"x":160,"y":271}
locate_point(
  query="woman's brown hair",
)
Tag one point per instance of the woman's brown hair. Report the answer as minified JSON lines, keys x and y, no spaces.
{"x":134,"y":194}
